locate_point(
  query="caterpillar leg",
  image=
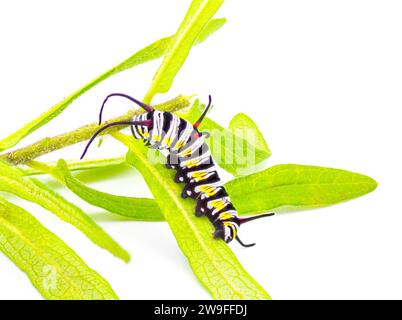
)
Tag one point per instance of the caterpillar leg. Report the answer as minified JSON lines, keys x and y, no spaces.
{"x":188,"y":191}
{"x":219,"y":234}
{"x":179,"y":177}
{"x":201,"y":208}
{"x":172,"y":161}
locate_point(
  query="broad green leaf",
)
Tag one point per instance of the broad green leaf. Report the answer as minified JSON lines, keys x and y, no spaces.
{"x":296,"y":186}
{"x":197,"y":17}
{"x":212,"y":261}
{"x":290,"y":187}
{"x":13,"y":181}
{"x":134,"y":208}
{"x":237,"y":149}
{"x":74,"y":165}
{"x":151,"y":52}
{"x":53,"y":267}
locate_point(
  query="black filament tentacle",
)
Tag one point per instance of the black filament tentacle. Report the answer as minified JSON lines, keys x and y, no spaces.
{"x":146,"y":107}
{"x":244,"y":245}
{"x":119,"y":123}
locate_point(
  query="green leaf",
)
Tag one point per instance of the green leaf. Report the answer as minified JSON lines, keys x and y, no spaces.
{"x":212,"y":261}
{"x":54,"y":268}
{"x":13,"y":181}
{"x":74,"y":165}
{"x":197,"y":17}
{"x":290,"y":187}
{"x":135,"y":208}
{"x":237,"y":149}
{"x":281,"y":186}
{"x":151,"y":52}
{"x":296,"y":186}
{"x":241,"y":124}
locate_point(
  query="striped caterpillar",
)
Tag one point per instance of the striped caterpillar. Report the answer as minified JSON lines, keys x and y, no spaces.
{"x":190,"y":156}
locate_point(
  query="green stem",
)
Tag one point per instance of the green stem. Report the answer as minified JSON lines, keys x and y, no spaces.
{"x":47,"y":145}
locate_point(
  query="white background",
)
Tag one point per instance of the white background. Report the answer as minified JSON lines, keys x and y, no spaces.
{"x":321,"y":78}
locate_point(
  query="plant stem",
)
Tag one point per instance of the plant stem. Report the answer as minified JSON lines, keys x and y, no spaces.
{"x":47,"y":145}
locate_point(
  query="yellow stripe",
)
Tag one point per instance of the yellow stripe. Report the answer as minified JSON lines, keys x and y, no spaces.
{"x":186,"y":152}
{"x":168,"y":141}
{"x":199,"y":175}
{"x":208,"y":190}
{"x":218,"y":204}
{"x":225,"y":216}
{"x":178,"y":145}
{"x":232,"y":227}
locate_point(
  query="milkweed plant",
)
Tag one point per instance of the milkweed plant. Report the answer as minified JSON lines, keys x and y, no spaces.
{"x":57,"y":272}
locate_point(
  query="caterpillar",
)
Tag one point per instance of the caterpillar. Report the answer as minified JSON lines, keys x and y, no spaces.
{"x":190,"y":156}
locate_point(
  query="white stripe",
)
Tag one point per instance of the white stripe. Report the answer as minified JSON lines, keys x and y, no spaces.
{"x":135,"y":127}
{"x":211,"y":169}
{"x":156,"y":127}
{"x":194,"y":147}
{"x":185,"y":136}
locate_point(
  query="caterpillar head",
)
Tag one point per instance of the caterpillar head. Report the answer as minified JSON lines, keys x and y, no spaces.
{"x":146,"y":123}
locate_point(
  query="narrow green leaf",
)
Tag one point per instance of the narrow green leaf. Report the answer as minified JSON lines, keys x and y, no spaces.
{"x":296,"y":186}
{"x":151,"y":52}
{"x":237,"y":149}
{"x":74,"y":165}
{"x":197,"y":17}
{"x":158,"y":48}
{"x":53,"y":267}
{"x":212,"y":261}
{"x":13,"y":181}
{"x":134,"y":208}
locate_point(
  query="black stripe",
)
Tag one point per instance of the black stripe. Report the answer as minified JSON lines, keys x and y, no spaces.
{"x":167,"y":122}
